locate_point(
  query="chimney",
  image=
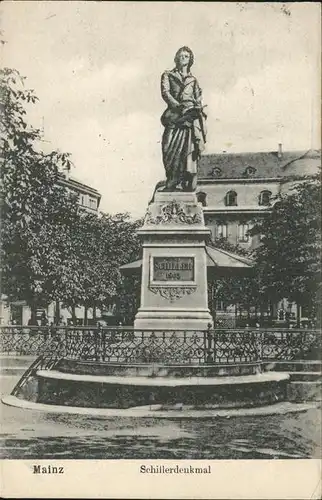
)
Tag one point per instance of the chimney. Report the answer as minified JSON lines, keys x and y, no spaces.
{"x":65,"y":172}
{"x":280,"y":151}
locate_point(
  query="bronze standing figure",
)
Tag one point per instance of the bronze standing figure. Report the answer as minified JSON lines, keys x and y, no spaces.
{"x":184,"y":123}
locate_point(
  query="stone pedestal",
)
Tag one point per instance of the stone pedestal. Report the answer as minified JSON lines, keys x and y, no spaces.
{"x":174,"y":267}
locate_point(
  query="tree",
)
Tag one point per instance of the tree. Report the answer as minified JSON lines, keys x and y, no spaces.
{"x":51,"y":250}
{"x":93,"y":247}
{"x":288,"y":260}
{"x":109,"y":241}
{"x":235,"y":289}
{"x":33,"y":204}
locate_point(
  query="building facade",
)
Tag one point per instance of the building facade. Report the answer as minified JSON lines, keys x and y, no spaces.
{"x":88,"y":197}
{"x":236,"y":188}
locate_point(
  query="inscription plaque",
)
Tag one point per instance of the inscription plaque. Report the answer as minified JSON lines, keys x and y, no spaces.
{"x":173,"y":269}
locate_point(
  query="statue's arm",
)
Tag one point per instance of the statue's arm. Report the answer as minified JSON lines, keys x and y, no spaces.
{"x":166,"y":92}
{"x":198,"y":93}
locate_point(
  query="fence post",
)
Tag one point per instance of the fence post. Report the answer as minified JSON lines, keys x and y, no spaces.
{"x":261,"y":342}
{"x":65,"y":339}
{"x":103,"y":333}
{"x":209,"y":357}
{"x":98,"y":343}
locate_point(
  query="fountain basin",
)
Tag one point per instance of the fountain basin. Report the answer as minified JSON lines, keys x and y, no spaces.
{"x":52,"y":387}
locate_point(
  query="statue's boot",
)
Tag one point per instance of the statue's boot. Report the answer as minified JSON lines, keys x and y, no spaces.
{"x":171,"y":185}
{"x":190,"y":182}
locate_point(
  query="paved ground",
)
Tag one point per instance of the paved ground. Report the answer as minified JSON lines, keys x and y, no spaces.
{"x":32,"y":434}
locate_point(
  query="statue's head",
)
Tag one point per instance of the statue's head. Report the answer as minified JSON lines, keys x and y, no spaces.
{"x":184,"y":50}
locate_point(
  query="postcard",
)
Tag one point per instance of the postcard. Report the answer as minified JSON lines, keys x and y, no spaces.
{"x":160,"y":319}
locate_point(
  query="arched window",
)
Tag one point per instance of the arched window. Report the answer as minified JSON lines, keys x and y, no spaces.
{"x":265,"y":198}
{"x":231,"y":199}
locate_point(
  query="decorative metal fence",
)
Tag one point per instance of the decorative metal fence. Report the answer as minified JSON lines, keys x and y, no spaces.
{"x":31,"y":340}
{"x":123,"y":345}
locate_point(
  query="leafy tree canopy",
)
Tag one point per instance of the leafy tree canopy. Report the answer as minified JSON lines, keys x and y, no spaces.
{"x":232,"y":288}
{"x":51,"y":250}
{"x":32,"y":201}
{"x":288,"y":260}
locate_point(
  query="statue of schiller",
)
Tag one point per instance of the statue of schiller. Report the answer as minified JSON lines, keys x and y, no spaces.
{"x":184,"y":123}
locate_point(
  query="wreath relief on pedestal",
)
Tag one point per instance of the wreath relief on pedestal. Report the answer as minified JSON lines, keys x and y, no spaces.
{"x":175,"y":213}
{"x":173,"y":293}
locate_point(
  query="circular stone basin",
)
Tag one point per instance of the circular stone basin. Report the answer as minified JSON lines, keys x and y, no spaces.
{"x":53,"y":387}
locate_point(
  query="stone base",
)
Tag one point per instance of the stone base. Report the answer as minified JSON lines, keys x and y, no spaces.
{"x":174,"y":265}
{"x":173,"y":320}
{"x":109,"y":385}
{"x":92,"y":391}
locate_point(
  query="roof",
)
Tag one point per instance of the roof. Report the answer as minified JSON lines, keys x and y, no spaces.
{"x":216,"y":258}
{"x":266,"y":164}
{"x":132,"y":267}
{"x":77,"y":185}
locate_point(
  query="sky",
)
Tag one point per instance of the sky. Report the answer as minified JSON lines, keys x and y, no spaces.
{"x":96,"y":67}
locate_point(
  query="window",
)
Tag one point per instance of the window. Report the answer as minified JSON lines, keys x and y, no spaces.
{"x":243,"y":232}
{"x":221,"y":306}
{"x":221,"y":232}
{"x":16,"y":314}
{"x":264,"y":198}
{"x":82,"y":199}
{"x":216,"y":172}
{"x":250,"y":171}
{"x":231,"y":199}
{"x":281,"y":315}
{"x":92,"y":203}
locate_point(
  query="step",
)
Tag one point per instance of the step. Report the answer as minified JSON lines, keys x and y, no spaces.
{"x":306,"y":376}
{"x":13,"y":370}
{"x":165,"y":382}
{"x":304,"y":391}
{"x":7,"y":360}
{"x":294,"y":366}
{"x":155,"y":411}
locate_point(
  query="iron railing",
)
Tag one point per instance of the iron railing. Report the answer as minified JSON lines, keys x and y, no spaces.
{"x":126,"y":345}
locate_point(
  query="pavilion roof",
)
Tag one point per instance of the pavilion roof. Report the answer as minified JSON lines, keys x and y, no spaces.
{"x":216,"y":259}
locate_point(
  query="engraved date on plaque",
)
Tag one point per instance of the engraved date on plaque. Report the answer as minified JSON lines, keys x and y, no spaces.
{"x":173,"y":269}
